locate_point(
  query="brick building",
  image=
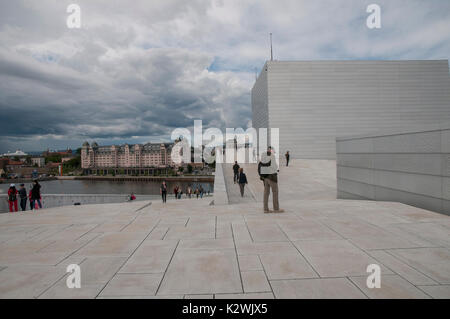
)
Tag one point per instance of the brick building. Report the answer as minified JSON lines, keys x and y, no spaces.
{"x":128,"y":159}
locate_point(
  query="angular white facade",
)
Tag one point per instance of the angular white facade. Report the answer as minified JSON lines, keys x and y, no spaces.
{"x":409,"y":166}
{"x":313,"y":102}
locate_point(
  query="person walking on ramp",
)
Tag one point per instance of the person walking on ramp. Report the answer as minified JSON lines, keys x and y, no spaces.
{"x":236,"y":172}
{"x":267,"y":170}
{"x":242,"y":180}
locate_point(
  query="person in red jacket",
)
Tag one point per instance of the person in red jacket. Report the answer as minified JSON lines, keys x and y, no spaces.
{"x":12,"y":198}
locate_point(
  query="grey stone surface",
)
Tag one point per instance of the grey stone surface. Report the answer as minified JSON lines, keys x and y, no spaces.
{"x":421,"y":201}
{"x":321,"y":288}
{"x":355,"y":160}
{"x":428,"y":164}
{"x":433,"y":262}
{"x":362,"y":190}
{"x":202,"y":272}
{"x":190,"y":249}
{"x":255,"y":281}
{"x":392,"y":287}
{"x":58,"y":200}
{"x":446,"y":164}
{"x":412,"y":183}
{"x":437,"y":292}
{"x":220,"y":194}
{"x":403,"y":269}
{"x":416,"y":143}
{"x":445,"y":139}
{"x":446,"y":188}
{"x":362,"y":175}
{"x":313,"y":102}
{"x":132,"y":285}
{"x":412,"y":167}
{"x":335,"y":258}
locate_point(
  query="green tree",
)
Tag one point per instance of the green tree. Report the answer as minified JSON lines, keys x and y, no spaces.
{"x":74,"y":162}
{"x":53,"y":159}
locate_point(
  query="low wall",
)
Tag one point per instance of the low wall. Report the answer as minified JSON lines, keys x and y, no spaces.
{"x":220,"y":189}
{"x":411,"y":167}
{"x":57,"y":200}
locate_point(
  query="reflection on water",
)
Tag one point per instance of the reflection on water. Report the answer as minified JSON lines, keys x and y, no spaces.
{"x":108,"y":187}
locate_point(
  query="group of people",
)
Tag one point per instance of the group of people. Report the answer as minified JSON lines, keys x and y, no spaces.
{"x":239,"y":177}
{"x":199,"y":191}
{"x":268,"y":174}
{"x":20,"y":195}
{"x":267,"y":170}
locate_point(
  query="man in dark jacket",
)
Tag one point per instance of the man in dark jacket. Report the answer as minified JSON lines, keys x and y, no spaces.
{"x":36,"y":195}
{"x":268,"y":173}
{"x":236,"y":172}
{"x":23,"y":197}
{"x":242,"y":181}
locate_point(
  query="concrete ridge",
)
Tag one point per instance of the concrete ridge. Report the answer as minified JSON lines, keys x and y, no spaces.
{"x":420,"y":128}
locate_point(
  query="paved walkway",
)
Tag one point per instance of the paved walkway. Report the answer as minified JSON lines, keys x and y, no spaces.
{"x":189,"y":249}
{"x":233,"y":190}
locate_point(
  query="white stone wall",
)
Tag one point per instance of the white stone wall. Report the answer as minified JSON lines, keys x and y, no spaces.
{"x":260,"y":118}
{"x":412,"y":167}
{"x":220,"y":190}
{"x":313,"y":102}
{"x":57,"y":200}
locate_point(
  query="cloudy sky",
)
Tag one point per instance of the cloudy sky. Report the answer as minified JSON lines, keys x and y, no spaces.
{"x":136,"y":70}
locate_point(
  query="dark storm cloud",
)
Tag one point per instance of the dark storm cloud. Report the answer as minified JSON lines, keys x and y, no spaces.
{"x":137,"y":70}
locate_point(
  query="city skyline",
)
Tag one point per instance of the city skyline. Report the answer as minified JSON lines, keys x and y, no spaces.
{"x":133,"y":74}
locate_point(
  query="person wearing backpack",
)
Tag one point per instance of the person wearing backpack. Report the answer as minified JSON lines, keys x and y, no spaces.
{"x":12,"y":198}
{"x":23,"y":197}
{"x":268,"y":173}
{"x":242,"y":181}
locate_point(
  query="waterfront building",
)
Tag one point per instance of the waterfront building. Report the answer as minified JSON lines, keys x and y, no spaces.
{"x":314,"y":102}
{"x":66,"y":153}
{"x":12,"y":166}
{"x":129,"y":159}
{"x":19,"y":154}
{"x":38,"y":161}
